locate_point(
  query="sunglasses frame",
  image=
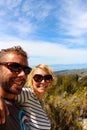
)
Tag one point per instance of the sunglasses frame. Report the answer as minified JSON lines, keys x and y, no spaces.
{"x":16,"y":67}
{"x":47,"y":78}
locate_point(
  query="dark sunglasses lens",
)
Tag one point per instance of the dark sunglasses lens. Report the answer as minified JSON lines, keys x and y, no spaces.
{"x":27,"y":70}
{"x":15,"y":67}
{"x":48,"y":78}
{"x":38,"y":78}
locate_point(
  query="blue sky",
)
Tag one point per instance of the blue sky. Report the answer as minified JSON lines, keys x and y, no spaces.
{"x":51,"y":31}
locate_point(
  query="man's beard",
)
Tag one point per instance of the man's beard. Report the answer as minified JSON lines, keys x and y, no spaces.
{"x":6,"y":87}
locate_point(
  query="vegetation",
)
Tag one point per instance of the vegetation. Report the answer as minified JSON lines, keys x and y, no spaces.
{"x":66,"y":102}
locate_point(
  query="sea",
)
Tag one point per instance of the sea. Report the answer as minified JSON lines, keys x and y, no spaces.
{"x":61,"y":67}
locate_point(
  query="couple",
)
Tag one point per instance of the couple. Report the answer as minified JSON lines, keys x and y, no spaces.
{"x":25,"y":105}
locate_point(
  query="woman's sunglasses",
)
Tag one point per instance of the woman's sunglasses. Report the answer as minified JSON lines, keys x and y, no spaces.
{"x":16,"y":67}
{"x":47,"y":78}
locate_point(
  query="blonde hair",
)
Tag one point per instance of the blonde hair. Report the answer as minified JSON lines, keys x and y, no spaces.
{"x":45,"y":68}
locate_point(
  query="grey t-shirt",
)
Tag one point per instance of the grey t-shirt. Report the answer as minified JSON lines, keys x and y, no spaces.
{"x":17,"y":119}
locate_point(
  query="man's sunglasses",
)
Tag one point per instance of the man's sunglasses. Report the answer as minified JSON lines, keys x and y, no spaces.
{"x":16,"y":67}
{"x":47,"y":78}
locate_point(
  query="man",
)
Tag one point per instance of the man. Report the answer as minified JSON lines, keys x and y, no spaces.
{"x":13,"y":74}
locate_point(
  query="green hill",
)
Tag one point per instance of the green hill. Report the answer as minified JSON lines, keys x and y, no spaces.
{"x":80,"y":72}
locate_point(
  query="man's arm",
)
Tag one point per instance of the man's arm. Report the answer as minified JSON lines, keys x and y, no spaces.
{"x":4,"y":108}
{"x":3,"y":111}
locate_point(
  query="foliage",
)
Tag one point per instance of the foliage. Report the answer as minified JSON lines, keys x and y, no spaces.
{"x":66,"y":102}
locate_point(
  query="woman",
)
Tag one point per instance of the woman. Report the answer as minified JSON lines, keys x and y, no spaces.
{"x":40,"y":79}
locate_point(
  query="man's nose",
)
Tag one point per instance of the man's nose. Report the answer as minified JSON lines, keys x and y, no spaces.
{"x":22,"y":74}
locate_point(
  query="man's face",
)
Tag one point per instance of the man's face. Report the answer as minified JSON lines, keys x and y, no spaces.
{"x":12,"y":82}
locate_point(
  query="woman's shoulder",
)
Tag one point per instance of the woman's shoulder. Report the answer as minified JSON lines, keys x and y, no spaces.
{"x":26,"y":89}
{"x":25,"y":94}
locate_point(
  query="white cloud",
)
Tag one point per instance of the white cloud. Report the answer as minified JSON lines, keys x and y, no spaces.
{"x":73,"y":19}
{"x":43,"y":52}
{"x":64,"y":22}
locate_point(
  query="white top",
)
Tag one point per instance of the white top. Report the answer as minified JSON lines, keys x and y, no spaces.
{"x":38,"y":119}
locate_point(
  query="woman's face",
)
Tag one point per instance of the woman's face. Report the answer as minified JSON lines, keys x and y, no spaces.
{"x":41,"y":81}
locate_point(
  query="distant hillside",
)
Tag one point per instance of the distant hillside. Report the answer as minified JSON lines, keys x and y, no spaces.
{"x":80,"y":72}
